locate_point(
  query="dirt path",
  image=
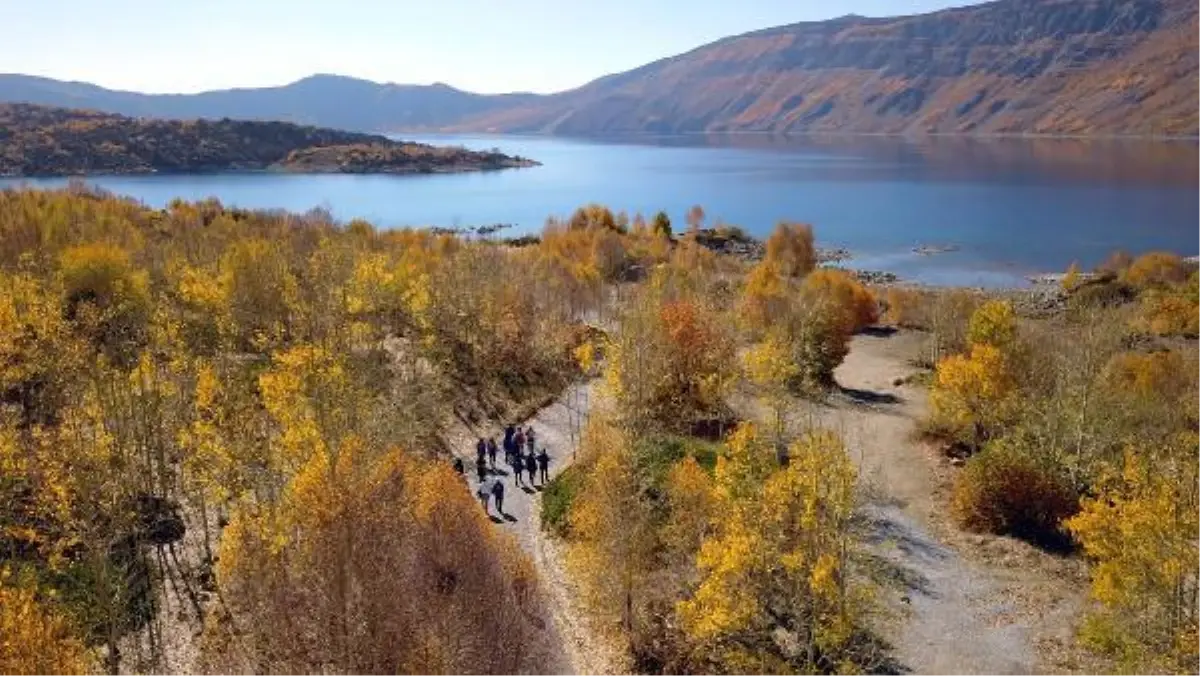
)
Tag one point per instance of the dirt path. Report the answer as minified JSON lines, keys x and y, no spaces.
{"x":572,"y":647}
{"x":973,"y":604}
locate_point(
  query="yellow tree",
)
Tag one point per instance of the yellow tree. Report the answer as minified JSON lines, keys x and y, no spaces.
{"x":34,"y":639}
{"x":790,"y":247}
{"x":1140,"y":533}
{"x":610,"y":525}
{"x":769,"y":366}
{"x":765,"y":295}
{"x":774,"y":572}
{"x":972,"y":395}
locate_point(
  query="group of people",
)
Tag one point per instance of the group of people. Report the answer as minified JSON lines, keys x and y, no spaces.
{"x":520,"y":454}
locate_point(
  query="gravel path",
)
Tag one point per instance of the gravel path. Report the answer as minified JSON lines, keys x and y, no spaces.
{"x":572,"y":647}
{"x":963,"y":611}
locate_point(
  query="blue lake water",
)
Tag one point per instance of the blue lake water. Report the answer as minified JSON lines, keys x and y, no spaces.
{"x":1012,"y":206}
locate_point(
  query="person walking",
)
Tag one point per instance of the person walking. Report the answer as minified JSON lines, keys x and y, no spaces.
{"x":517,"y":465}
{"x":519,"y":441}
{"x":484,"y":492}
{"x":543,"y":460}
{"x":531,"y":467}
{"x":481,"y":469}
{"x":508,"y":445}
{"x":481,"y":449}
{"x":498,"y":495}
{"x":529,"y":439}
{"x":491,"y":451}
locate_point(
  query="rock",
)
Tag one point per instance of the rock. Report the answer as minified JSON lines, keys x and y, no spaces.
{"x":929,"y":250}
{"x":957,"y":462}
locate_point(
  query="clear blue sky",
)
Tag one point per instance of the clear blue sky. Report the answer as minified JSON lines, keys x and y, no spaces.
{"x":479,"y":45}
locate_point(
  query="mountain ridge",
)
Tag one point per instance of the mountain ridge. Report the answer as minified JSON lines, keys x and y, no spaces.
{"x":1024,"y":67}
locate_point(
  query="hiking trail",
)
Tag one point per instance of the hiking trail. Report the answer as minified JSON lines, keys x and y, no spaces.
{"x":572,"y":647}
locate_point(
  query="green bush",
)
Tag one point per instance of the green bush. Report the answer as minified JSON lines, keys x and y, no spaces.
{"x":557,"y":497}
{"x":1007,"y":492}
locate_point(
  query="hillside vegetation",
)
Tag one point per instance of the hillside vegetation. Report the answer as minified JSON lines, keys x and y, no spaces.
{"x":40,"y":141}
{"x":1006,"y":67}
{"x":230,"y":425}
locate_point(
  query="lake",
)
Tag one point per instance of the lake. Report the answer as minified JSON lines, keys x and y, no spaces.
{"x":1013,"y":207}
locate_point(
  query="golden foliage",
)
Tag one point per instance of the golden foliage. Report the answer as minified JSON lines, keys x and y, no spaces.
{"x":972,"y":395}
{"x":790,"y":247}
{"x":1156,"y":269}
{"x":840,"y":294}
{"x":1140,"y":531}
{"x":994,"y":323}
{"x":33,"y":638}
{"x":777,"y":556}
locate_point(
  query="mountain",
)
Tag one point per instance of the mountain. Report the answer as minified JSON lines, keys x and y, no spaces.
{"x":324,"y":100}
{"x":1106,"y":67}
{"x":1013,"y":66}
{"x":45,"y":141}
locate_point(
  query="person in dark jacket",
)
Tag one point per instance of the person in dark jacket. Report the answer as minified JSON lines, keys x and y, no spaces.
{"x":481,"y":469}
{"x":531,"y":467}
{"x":458,"y":465}
{"x":543,"y":460}
{"x":517,"y":465}
{"x":498,"y":495}
{"x":481,"y":449}
{"x":491,"y":451}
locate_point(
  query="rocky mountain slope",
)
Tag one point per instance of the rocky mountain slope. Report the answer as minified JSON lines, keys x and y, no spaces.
{"x":1086,"y":67}
{"x":322,"y":100}
{"x":1013,"y":66}
{"x":43,"y":141}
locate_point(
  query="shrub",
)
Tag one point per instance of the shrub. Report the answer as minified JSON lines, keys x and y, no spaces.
{"x":106,"y":298}
{"x":1170,"y":312}
{"x":1156,"y":269}
{"x":994,"y":323}
{"x":971,"y":396}
{"x":662,"y":225}
{"x":1140,"y":533}
{"x":852,"y":304}
{"x":1004,"y":491}
{"x":1101,"y":293}
{"x":557,"y":497}
{"x":791,"y":247}
{"x":906,"y":308}
{"x":33,"y":638}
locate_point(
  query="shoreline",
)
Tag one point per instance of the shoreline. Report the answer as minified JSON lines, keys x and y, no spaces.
{"x":275,"y":169}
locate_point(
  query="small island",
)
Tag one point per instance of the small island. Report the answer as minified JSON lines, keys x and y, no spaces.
{"x":45,"y":141}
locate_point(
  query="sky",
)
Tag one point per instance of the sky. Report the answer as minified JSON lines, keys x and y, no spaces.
{"x":486,"y":46}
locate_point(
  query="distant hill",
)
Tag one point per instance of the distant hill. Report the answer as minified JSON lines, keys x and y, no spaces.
{"x":45,"y":141}
{"x":1013,"y":66}
{"x":322,"y":100}
{"x":1111,"y":67}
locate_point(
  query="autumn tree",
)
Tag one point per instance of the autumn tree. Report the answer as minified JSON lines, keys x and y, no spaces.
{"x":613,"y":537}
{"x":106,"y":299}
{"x":662,"y":225}
{"x":790,"y":246}
{"x":775,"y":592}
{"x":973,"y":394}
{"x":1139,"y":530}
{"x":34,"y":638}
{"x":1155,"y":270}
